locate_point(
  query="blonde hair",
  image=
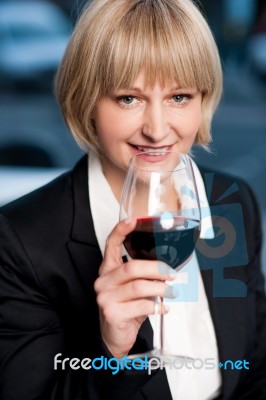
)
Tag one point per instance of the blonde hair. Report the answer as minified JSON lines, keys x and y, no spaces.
{"x":114,"y":40}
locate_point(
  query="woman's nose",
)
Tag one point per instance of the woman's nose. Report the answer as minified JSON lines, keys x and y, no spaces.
{"x":155,"y":124}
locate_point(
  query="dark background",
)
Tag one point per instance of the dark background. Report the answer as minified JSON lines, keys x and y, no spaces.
{"x":35,"y":145}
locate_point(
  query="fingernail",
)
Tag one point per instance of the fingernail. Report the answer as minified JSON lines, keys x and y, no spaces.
{"x":171,"y":292}
{"x":128,"y":220}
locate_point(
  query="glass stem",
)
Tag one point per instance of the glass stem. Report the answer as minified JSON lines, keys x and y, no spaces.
{"x":158,"y":333}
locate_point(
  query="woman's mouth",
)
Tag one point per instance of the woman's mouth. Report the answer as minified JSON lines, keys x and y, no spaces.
{"x":153,"y":151}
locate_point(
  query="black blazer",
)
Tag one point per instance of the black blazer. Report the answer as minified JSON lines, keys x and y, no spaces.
{"x":49,"y":260}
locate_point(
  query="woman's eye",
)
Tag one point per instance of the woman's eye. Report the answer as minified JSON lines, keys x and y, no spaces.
{"x":126,"y":100}
{"x":180,"y":98}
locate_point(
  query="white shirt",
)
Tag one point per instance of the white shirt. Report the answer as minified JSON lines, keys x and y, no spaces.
{"x":188,"y":325}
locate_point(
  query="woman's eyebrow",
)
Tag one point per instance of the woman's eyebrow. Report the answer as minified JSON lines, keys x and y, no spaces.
{"x":190,"y":88}
{"x":177,"y":88}
{"x":131,"y":89}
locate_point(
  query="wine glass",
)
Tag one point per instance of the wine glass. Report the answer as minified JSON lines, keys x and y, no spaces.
{"x":160,"y":192}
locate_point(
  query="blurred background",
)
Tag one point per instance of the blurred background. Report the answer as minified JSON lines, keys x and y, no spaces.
{"x":35,"y":145}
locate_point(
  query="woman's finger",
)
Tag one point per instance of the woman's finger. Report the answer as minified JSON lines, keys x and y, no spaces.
{"x":137,"y":289}
{"x":133,"y":270}
{"x":114,"y":242}
{"x":128,"y":311}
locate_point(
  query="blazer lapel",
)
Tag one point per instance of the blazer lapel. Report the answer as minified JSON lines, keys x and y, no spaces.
{"x":83,"y":246}
{"x":229,"y":324}
{"x":226,"y":297}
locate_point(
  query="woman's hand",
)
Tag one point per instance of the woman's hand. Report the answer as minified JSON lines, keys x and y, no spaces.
{"x":126,"y":291}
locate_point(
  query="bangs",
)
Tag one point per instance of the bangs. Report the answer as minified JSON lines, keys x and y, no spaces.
{"x":149,"y":39}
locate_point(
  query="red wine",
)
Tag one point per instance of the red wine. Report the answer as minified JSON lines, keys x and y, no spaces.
{"x":152,"y":239}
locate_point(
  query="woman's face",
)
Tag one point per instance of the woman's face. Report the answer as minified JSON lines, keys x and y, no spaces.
{"x":142,"y":118}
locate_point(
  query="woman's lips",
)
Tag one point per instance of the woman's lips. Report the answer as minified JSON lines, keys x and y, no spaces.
{"x":152,"y":150}
{"x":152,"y":154}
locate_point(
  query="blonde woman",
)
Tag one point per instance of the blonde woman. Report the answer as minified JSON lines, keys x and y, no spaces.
{"x":136,"y":75}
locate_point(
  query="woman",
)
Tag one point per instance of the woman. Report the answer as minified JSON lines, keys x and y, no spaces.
{"x":137,"y":74}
